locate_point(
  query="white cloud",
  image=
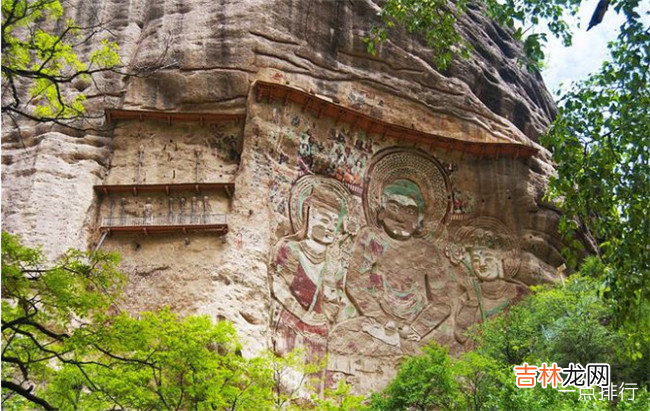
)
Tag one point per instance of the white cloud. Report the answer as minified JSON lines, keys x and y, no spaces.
{"x":589,"y":49}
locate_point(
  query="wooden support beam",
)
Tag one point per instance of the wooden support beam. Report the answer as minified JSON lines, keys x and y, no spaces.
{"x":356,"y":120}
{"x":341,"y":113}
{"x":166,"y":188}
{"x":304,"y":107}
{"x":168,"y":117}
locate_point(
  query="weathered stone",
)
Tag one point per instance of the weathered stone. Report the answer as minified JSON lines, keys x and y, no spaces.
{"x":47,"y":189}
{"x":404,"y":215}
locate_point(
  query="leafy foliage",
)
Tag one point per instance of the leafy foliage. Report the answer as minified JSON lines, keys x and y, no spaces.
{"x":599,"y":140}
{"x":423,"y":383}
{"x":523,"y":15}
{"x":39,"y":54}
{"x":339,"y":399}
{"x":66,"y":346}
{"x":601,"y":146}
{"x":41,"y":308}
{"x":435,"y":19}
{"x":62,"y":349}
{"x":291,"y":374}
{"x":563,"y":324}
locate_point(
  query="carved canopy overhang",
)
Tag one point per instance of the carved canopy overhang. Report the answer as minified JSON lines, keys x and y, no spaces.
{"x":320,"y":106}
{"x":169,"y":117}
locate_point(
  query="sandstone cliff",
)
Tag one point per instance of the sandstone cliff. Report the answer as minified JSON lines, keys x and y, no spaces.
{"x":315,"y":127}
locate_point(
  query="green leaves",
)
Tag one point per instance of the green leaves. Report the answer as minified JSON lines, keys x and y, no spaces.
{"x":339,"y":399}
{"x":600,"y":140}
{"x":600,"y":144}
{"x":564,"y":324}
{"x":434,"y":19}
{"x":64,"y":336}
{"x":46,"y":310}
{"x":39,"y":54}
{"x":159,"y":361}
{"x":423,"y":382}
{"x":57,"y":334}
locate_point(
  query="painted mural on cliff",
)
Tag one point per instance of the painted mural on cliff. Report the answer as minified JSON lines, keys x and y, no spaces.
{"x":385,"y":248}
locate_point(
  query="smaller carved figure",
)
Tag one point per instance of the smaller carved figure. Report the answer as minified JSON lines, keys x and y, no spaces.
{"x":193,"y":210}
{"x":486,"y":252}
{"x":181,"y":211}
{"x":140,"y":162}
{"x":170,"y":213}
{"x":463,"y":203}
{"x":197,"y":162}
{"x":206,"y":204}
{"x":122,"y":211}
{"x":148,"y":212}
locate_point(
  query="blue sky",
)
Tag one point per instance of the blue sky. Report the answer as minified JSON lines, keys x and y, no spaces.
{"x":589,"y":49}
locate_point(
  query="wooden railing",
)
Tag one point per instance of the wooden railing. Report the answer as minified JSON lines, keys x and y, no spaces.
{"x":168,"y":223}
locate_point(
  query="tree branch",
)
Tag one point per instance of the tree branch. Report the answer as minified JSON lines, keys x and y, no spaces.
{"x":27,"y":394}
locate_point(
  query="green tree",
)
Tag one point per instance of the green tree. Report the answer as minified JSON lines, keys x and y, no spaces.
{"x":601,"y":147}
{"x":161,"y":362}
{"x":41,"y":62}
{"x":436,"y":21}
{"x":563,"y":323}
{"x":292,"y":374}
{"x":66,"y":346}
{"x":339,"y":398}
{"x":423,"y":382}
{"x":40,"y":310}
{"x":481,"y":381}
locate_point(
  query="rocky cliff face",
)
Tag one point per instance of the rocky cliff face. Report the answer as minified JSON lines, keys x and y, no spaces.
{"x":378,"y":204}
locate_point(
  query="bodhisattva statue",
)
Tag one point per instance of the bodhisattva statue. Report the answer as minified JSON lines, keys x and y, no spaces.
{"x":488,"y":257}
{"x":307,"y":270}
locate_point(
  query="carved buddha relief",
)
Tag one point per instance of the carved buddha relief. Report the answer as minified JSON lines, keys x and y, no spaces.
{"x":393,"y":278}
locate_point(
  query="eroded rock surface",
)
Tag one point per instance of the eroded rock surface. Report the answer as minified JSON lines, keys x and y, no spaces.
{"x":47,"y":195}
{"x":378,"y":204}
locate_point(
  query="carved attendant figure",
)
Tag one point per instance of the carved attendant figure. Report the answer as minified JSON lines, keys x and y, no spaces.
{"x":486,"y":252}
{"x":307,"y":273}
